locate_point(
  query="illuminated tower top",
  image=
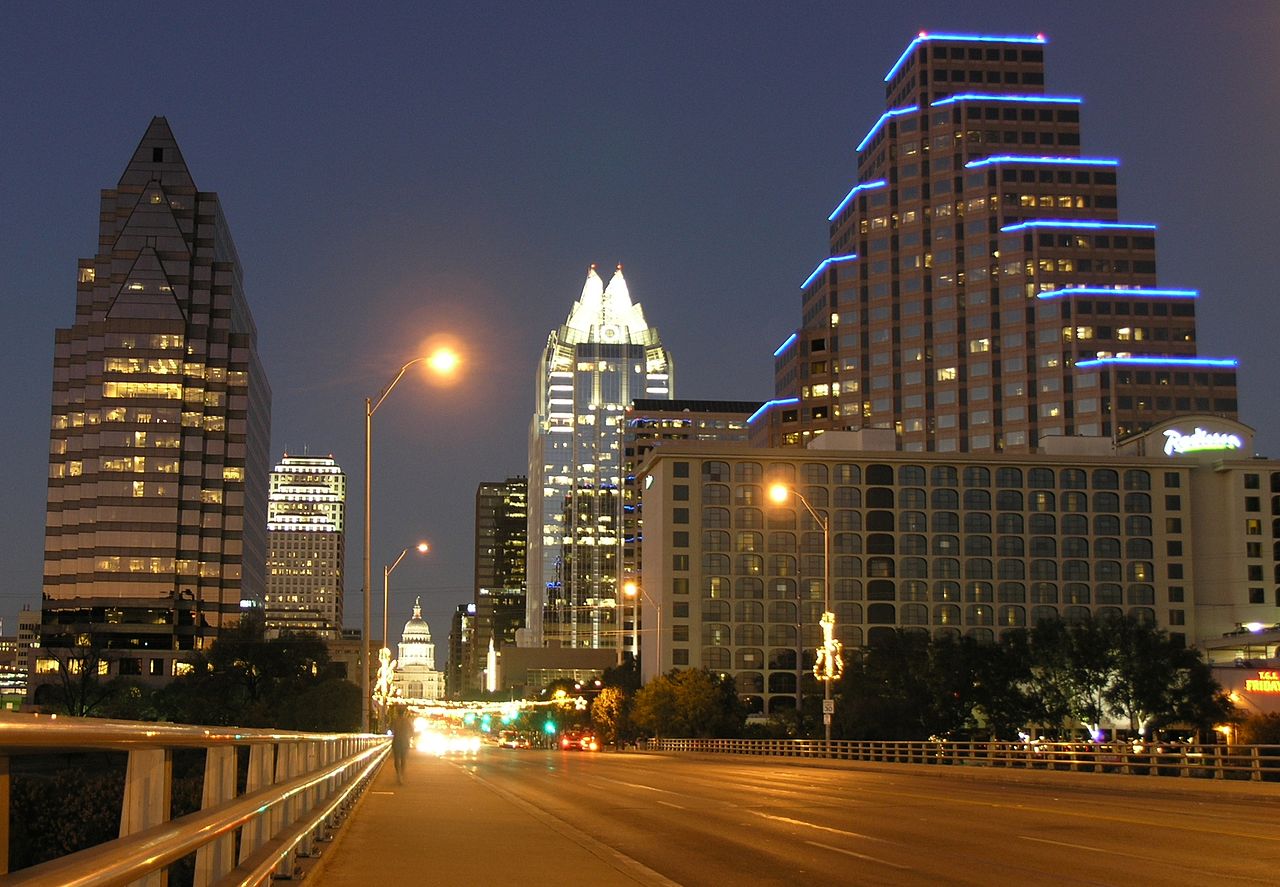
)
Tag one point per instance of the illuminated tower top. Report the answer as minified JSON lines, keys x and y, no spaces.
{"x":606,"y":314}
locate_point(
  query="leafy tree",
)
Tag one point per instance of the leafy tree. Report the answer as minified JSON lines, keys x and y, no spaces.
{"x":1261,"y":729}
{"x":689,"y":702}
{"x":610,"y":713}
{"x":248,"y":681}
{"x":1001,"y":684}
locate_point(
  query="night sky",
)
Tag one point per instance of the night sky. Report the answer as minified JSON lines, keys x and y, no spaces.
{"x":397,"y":172}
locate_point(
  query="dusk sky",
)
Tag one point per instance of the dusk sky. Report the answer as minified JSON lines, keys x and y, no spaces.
{"x":394,"y":172}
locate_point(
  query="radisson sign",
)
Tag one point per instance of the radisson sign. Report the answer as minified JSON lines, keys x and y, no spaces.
{"x":1177,"y":443}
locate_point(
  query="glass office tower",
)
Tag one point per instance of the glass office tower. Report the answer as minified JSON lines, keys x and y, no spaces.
{"x":602,"y":358}
{"x":156,"y":523}
{"x":982,"y":289}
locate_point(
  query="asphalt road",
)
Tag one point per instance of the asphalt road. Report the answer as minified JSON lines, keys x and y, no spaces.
{"x":719,"y":820}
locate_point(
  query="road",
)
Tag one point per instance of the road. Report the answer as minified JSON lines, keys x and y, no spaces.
{"x":719,"y":820}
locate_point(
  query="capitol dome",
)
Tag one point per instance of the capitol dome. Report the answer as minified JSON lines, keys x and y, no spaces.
{"x":415,"y":642}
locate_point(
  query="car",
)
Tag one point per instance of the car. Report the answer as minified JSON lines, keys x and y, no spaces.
{"x":579,"y":740}
{"x":512,"y":739}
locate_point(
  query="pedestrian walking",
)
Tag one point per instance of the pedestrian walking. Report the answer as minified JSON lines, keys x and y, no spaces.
{"x":400,"y":734}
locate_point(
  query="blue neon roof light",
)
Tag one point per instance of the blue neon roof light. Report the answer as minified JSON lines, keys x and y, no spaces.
{"x":1032,"y":158}
{"x":830,"y":260}
{"x":1220,"y":363}
{"x":865,"y":186}
{"x":764,"y":407}
{"x":1078,"y":223}
{"x":1005,"y":97}
{"x":787,"y":344}
{"x":1111,"y":291}
{"x":924,"y":36}
{"x":893,"y":112}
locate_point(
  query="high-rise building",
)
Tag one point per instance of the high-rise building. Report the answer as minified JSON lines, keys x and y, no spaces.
{"x":156,"y":525}
{"x":501,"y":531}
{"x":649,"y":424}
{"x":982,"y":290}
{"x":462,"y":629}
{"x":1169,"y":527}
{"x":306,"y":533}
{"x":602,"y":358}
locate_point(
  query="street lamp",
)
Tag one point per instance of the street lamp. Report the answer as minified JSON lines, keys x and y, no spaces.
{"x":442,"y":361}
{"x":633,"y":590}
{"x":422,"y":548}
{"x":827,"y":666}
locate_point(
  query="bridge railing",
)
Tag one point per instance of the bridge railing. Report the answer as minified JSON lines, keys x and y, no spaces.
{"x":1251,"y":762}
{"x":298,"y":787}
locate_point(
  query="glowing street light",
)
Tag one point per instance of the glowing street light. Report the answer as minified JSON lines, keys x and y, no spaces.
{"x":827,"y":666}
{"x":442,"y":361}
{"x":421,"y":548}
{"x":632,"y":590}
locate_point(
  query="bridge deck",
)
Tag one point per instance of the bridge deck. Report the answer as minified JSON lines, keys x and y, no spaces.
{"x":444,"y":826}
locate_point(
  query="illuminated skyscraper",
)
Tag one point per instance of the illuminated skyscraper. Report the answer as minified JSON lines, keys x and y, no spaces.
{"x":502,"y":528}
{"x":156,"y":524}
{"x":601,"y":359}
{"x":982,"y":290}
{"x":306,"y":537}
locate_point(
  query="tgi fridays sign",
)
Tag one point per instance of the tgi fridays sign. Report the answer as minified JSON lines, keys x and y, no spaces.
{"x":1265,"y":682}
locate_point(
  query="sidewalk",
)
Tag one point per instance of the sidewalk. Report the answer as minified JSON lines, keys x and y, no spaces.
{"x":444,"y":826}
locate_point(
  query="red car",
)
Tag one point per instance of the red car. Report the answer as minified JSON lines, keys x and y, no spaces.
{"x":577,"y":740}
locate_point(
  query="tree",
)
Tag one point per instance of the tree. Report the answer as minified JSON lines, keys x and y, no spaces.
{"x":1001,"y":697}
{"x":689,"y":702}
{"x":248,"y":681}
{"x":610,"y":714}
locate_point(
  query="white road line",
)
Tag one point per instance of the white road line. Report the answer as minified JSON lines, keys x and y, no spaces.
{"x":821,"y":828}
{"x":1155,"y":859}
{"x":858,"y":855}
{"x":669,"y":804}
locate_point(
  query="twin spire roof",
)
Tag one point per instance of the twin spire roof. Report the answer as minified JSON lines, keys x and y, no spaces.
{"x":606,"y":313}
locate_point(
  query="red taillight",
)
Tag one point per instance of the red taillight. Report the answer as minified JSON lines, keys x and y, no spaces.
{"x":564,"y":743}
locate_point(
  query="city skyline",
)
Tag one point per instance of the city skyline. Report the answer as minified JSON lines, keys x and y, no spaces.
{"x":709,"y":195}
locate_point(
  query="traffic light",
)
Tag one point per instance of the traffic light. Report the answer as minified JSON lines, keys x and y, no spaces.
{"x":549,"y":727}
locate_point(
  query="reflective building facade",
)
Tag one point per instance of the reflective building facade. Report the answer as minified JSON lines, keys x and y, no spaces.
{"x":306,"y":535}
{"x":982,"y":289}
{"x":602,"y":358}
{"x":156,"y":519}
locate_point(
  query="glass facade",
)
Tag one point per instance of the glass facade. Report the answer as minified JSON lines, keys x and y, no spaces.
{"x":982,"y":291}
{"x":156,"y":521}
{"x":306,"y":535}
{"x":604,"y":357}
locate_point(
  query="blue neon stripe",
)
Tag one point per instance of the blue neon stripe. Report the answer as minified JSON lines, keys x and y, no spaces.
{"x":768,"y":404}
{"x":822,"y":266}
{"x":1072,"y":223}
{"x":1004,"y":97}
{"x":787,"y":344}
{"x":1110,"y":291}
{"x":865,"y":186}
{"x":1030,"y":158}
{"x":879,"y":123}
{"x":974,"y":38}
{"x":1221,"y":363}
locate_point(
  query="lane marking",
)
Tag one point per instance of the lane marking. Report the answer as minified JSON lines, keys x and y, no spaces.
{"x":859,"y":855}
{"x":669,"y":804}
{"x":821,"y":828}
{"x":1153,"y":859}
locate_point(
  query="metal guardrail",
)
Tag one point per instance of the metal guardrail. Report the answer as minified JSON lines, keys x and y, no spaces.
{"x":1251,"y":762}
{"x":298,"y":787}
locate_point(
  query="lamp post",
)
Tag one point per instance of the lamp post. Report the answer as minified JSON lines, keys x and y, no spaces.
{"x":634,"y":591}
{"x":442,"y":361}
{"x":422,"y":548}
{"x":827,"y":666}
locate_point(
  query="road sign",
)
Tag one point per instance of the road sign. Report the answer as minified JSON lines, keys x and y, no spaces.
{"x":826,"y":720}
{"x":828,"y":706}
